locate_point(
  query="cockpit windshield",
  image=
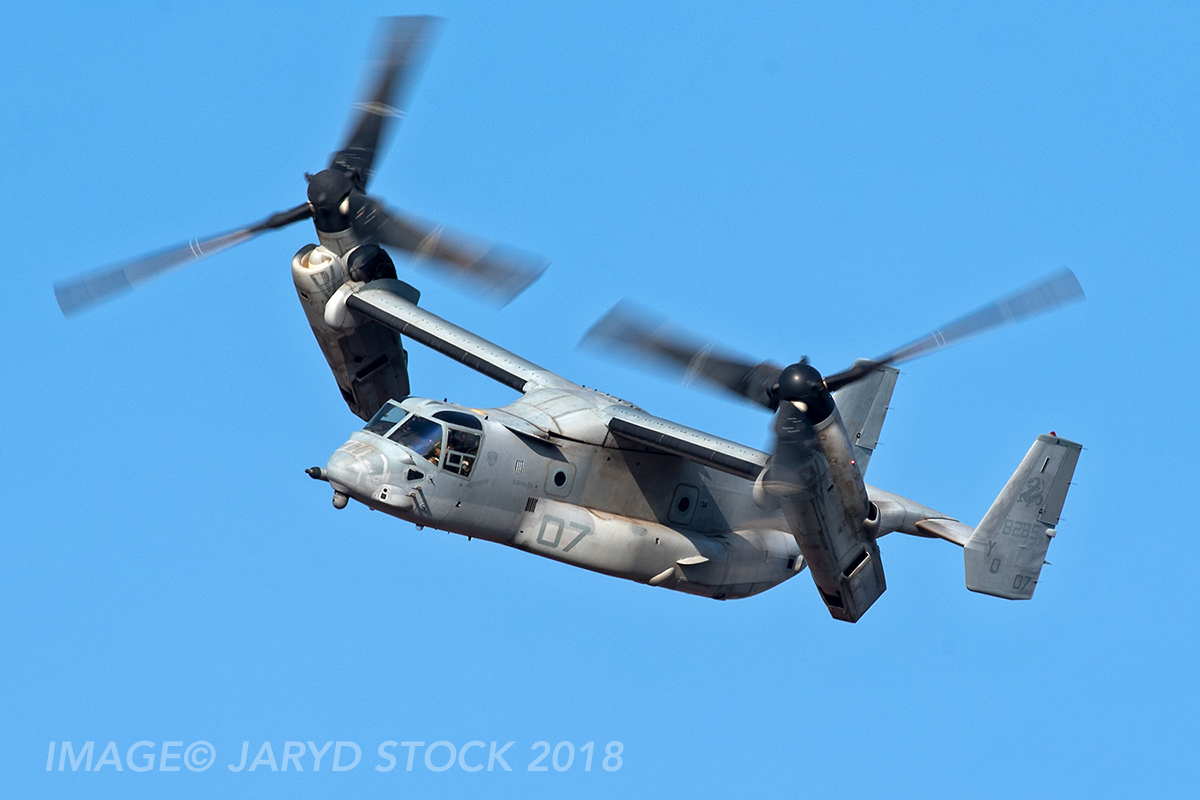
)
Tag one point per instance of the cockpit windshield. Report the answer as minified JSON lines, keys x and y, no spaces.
{"x":385,"y":418}
{"x":423,"y":436}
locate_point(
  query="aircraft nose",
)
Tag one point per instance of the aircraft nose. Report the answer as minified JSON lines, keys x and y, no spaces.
{"x":356,"y":469}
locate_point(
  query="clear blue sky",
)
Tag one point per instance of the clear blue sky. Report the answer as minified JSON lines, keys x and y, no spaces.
{"x":788,"y":178}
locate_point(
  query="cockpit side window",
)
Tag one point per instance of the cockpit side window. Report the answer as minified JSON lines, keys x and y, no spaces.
{"x":423,"y":436}
{"x":385,"y":418}
{"x":461,"y":449}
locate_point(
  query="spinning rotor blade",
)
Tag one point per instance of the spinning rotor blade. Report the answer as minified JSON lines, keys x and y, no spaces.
{"x":337,"y":201}
{"x":633,"y":330}
{"x":81,"y":293}
{"x":401,"y":51}
{"x":1057,"y":290}
{"x":498,"y":274}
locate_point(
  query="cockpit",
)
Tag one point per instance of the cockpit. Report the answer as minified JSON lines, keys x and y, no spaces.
{"x":449,"y":439}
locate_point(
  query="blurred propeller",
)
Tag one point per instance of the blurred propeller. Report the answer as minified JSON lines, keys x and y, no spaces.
{"x":1059,"y":289}
{"x":81,"y":293}
{"x":500,"y":275}
{"x":403,"y":45}
{"x":634,"y":331}
{"x":336,"y":200}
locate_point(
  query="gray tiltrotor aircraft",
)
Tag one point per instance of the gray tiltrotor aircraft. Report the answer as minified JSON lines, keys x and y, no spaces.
{"x":579,"y":476}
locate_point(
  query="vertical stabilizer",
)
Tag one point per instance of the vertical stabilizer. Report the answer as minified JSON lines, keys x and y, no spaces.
{"x":1004,"y":555}
{"x":863,"y":406}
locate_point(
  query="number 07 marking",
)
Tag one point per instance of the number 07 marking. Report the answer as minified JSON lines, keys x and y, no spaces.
{"x":559,"y":526}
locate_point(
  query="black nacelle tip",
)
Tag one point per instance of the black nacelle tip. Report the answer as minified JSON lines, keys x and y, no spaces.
{"x":799,"y":381}
{"x":326,"y":191}
{"x":329,"y":186}
{"x":802,"y":383}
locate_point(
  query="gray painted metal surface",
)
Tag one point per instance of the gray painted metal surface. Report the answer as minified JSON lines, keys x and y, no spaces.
{"x":578,"y":476}
{"x":368,"y":361}
{"x":824,"y":500}
{"x":863,"y":406}
{"x":385,"y":306}
{"x":1004,"y":555}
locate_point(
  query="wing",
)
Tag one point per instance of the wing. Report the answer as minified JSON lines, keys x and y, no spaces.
{"x":377,"y":300}
{"x":670,"y":437}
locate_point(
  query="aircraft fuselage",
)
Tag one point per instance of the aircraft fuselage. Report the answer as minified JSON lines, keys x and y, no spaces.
{"x":636,"y":514}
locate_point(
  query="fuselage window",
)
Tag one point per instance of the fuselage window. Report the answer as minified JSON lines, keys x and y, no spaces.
{"x":423,"y":436}
{"x":461,"y":449}
{"x":385,"y":418}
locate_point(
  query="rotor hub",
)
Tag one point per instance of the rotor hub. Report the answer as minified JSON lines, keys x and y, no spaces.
{"x":802,"y":383}
{"x":329,"y":196}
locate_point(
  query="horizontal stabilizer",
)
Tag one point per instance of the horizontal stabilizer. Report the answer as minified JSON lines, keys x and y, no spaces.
{"x":949,"y":529}
{"x":1004,"y":555}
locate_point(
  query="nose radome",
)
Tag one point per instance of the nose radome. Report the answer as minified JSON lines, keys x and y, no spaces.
{"x":357,"y":469}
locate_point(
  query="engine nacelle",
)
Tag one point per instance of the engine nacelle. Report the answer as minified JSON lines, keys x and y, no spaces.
{"x":819,"y":486}
{"x":368,"y":361}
